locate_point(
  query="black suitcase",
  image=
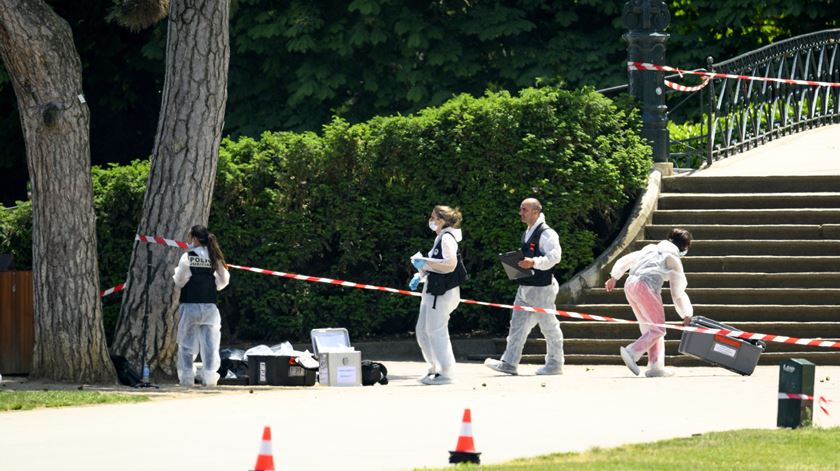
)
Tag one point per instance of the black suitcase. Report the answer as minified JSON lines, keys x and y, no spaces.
{"x":732,"y":353}
{"x":278,"y":370}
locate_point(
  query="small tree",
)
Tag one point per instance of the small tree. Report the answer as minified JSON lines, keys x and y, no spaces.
{"x":38,"y":51}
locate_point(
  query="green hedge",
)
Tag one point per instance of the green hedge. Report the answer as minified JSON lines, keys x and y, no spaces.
{"x":352,"y":203}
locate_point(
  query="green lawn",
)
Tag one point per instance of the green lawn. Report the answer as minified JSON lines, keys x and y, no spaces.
{"x":764,"y":450}
{"x":25,"y":400}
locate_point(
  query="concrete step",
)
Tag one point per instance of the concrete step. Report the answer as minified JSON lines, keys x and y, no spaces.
{"x":760,"y":264}
{"x":609,"y":330}
{"x":724,"y":312}
{"x":819,"y":358}
{"x":536,"y":346}
{"x":701,"y":247}
{"x":768,"y":184}
{"x":677,"y":217}
{"x":763,"y":280}
{"x":786,"y":296}
{"x":749,"y":231}
{"x":748,"y":200}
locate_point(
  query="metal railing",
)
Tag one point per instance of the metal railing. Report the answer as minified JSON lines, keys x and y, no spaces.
{"x":738,"y":115}
{"x":742,"y":114}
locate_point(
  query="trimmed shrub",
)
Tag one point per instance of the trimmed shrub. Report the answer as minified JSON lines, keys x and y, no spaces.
{"x":352,"y":203}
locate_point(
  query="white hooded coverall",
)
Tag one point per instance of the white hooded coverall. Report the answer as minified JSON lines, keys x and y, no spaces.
{"x":522,"y":322}
{"x":199,"y":329}
{"x":433,"y":322}
{"x":649,"y":269}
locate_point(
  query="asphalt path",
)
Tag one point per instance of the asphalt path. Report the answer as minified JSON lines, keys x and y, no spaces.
{"x":401,"y":426}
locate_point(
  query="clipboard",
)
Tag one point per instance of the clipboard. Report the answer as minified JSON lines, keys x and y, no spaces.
{"x":509,"y":263}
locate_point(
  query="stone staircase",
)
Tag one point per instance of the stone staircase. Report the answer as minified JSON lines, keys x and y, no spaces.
{"x":765,"y":258}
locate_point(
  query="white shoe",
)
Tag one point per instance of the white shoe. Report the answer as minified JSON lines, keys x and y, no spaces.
{"x":659,"y":372}
{"x":629,"y":361}
{"x":421,"y":378}
{"x":550,"y":370}
{"x":436,"y":380}
{"x":501,"y":366}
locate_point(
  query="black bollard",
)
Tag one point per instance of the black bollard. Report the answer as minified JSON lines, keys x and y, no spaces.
{"x":796,"y":376}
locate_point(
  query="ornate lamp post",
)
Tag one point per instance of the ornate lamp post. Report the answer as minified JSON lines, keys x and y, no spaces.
{"x":645,"y":19}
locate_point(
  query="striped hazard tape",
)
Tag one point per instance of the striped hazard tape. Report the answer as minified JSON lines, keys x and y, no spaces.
{"x":570,"y":314}
{"x":162,"y":241}
{"x":665,"y":68}
{"x":115,"y":289}
{"x":317,"y":279}
{"x":821,"y":400}
{"x":683,"y":88}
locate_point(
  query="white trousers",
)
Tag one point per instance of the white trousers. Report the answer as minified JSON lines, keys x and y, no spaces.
{"x":522,"y":322}
{"x":199,"y":331}
{"x":433,"y":331}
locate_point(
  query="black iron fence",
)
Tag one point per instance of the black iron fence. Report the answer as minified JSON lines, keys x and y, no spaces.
{"x":735,"y":115}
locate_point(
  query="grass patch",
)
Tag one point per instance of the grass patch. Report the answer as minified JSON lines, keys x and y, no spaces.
{"x":760,"y":450}
{"x":26,"y":400}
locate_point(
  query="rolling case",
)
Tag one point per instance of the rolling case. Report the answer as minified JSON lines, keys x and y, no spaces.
{"x":732,"y":353}
{"x":278,"y":370}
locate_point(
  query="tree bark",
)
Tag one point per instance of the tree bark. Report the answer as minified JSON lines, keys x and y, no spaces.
{"x":183,"y":172}
{"x":39,"y":54}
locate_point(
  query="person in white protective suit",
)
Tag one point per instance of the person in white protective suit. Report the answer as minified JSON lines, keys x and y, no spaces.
{"x":649,"y":269}
{"x":542,"y":251}
{"x":441,"y":273}
{"x":200,"y":273}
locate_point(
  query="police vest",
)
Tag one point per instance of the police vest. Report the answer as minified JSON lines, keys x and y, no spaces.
{"x":439,"y":283}
{"x":531,"y":249}
{"x":201,"y":287}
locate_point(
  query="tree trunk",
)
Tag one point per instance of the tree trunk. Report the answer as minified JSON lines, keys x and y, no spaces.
{"x":39,"y":54}
{"x":183,"y":172}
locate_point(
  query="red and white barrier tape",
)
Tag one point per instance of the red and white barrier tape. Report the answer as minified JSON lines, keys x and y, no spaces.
{"x":330,"y":281}
{"x":115,"y":289}
{"x":571,"y":314}
{"x":822,"y":401}
{"x":683,"y":88}
{"x":149,"y":239}
{"x":665,"y":68}
{"x":162,"y":241}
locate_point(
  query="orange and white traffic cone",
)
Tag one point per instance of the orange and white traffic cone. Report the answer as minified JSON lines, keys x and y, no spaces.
{"x":265,"y":462}
{"x":465,"y":449}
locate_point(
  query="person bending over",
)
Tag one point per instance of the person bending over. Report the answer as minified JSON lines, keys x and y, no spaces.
{"x":649,"y":268}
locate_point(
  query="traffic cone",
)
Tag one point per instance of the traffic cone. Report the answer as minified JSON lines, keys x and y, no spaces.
{"x":465,"y":449}
{"x":265,"y":462}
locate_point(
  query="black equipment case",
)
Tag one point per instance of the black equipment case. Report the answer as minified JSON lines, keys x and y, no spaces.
{"x":734,"y":354}
{"x":278,"y":370}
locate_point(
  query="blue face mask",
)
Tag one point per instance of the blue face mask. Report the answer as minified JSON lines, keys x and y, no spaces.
{"x":682,"y":254}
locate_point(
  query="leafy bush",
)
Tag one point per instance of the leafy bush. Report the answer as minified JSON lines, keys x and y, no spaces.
{"x":352,"y":203}
{"x":16,"y":233}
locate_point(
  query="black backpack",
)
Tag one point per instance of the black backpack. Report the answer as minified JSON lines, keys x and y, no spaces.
{"x":374,"y":372}
{"x":126,"y":374}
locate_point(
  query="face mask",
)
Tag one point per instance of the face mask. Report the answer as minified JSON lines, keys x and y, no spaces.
{"x":432,"y":225}
{"x":682,"y":254}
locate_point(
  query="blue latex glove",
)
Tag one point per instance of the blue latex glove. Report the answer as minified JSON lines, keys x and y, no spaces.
{"x":418,"y":264}
{"x":415,"y":280}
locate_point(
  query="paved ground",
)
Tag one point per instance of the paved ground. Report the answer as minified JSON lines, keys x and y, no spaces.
{"x":400,"y":426}
{"x":813,"y":152}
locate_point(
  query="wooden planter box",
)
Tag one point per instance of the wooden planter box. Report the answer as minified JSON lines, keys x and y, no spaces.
{"x":17,"y":323}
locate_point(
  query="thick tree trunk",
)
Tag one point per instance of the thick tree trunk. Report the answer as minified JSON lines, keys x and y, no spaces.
{"x":39,"y":54}
{"x":182,"y":176}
